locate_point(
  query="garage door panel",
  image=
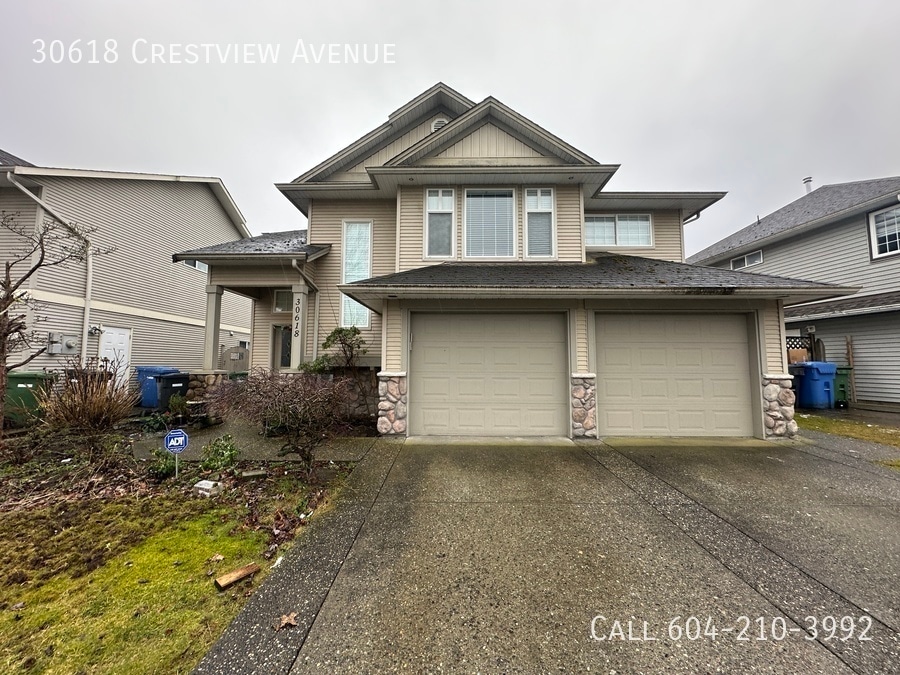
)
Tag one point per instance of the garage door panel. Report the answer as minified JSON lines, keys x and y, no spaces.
{"x":673,"y":375}
{"x":501,"y":374}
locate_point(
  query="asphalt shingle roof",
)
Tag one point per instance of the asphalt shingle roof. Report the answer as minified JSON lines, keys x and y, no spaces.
{"x":853,"y":305}
{"x":9,"y":159}
{"x":272,"y":243}
{"x":610,"y":271}
{"x":822,"y":203}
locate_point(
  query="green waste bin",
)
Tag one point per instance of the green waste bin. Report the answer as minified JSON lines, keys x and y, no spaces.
{"x":21,"y":394}
{"x":842,"y":393}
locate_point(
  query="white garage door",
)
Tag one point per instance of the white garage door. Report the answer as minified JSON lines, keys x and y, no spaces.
{"x":489,"y":375}
{"x":673,"y":375}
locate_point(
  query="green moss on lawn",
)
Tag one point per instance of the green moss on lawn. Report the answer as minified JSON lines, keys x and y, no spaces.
{"x":150,"y":608}
{"x":874,"y":433}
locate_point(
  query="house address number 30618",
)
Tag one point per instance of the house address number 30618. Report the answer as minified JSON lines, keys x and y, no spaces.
{"x":298,"y":304}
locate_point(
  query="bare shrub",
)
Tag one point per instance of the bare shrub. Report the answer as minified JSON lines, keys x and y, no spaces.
{"x":304,"y":408}
{"x":88,"y":400}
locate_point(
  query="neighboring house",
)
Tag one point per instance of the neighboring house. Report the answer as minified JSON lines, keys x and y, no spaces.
{"x":132,"y":304}
{"x":849,"y":234}
{"x":503,"y":292}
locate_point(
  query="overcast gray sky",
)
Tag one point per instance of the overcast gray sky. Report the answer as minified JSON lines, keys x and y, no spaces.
{"x":742,"y":96}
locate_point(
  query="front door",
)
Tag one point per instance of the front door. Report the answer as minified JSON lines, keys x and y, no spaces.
{"x":281,"y":347}
{"x":115,"y":349}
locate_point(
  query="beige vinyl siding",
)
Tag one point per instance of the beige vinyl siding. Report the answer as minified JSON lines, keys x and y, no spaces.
{"x":838,"y":254}
{"x":775,"y":349}
{"x":24,"y":213}
{"x":394,"y":320}
{"x":263,"y":320}
{"x":66,"y":319}
{"x":490,"y":141}
{"x":145,"y":222}
{"x":581,"y":341}
{"x":328,"y":228}
{"x":667,"y":238}
{"x":412,"y":228}
{"x":568,"y":224}
{"x":154,"y":342}
{"x":379,"y":157}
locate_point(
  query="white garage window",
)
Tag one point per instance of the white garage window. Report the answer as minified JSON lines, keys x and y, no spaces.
{"x":357,"y":264}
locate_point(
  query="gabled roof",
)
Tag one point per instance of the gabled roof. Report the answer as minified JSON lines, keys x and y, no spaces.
{"x":9,"y":159}
{"x":216,"y":185}
{"x":605,"y":276}
{"x":440,"y":98}
{"x":823,"y":206}
{"x":490,"y":109}
{"x":270,"y":246}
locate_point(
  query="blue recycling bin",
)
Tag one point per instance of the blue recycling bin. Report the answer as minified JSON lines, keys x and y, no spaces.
{"x":815,"y":388}
{"x":147,"y":381}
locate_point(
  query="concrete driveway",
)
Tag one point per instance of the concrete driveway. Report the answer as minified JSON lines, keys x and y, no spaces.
{"x":625,"y":556}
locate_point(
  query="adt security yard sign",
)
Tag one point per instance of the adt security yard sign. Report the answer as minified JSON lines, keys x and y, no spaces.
{"x":175,"y":442}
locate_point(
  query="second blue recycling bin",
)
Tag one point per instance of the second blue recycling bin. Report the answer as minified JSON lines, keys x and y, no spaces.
{"x":815,"y":385}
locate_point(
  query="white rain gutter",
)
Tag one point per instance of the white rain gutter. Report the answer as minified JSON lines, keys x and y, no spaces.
{"x":89,"y":261}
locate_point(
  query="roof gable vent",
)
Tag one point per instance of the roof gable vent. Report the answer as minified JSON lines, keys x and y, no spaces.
{"x":439,"y":123}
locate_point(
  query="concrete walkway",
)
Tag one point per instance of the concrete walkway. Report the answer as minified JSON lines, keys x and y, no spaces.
{"x":564,"y":557}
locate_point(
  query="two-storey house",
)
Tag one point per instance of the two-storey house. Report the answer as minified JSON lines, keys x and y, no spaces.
{"x":130,"y":304}
{"x":849,"y":234}
{"x":503,"y":291}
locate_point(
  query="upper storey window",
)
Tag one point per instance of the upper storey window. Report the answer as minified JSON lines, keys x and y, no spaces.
{"x":627,"y":230}
{"x":439,"y":232}
{"x":539,"y":222}
{"x":884,"y":232}
{"x":490,"y":230}
{"x":748,"y":260}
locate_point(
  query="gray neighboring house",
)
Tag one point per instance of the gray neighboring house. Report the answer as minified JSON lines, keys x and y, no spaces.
{"x":848,"y":234}
{"x":132,"y":304}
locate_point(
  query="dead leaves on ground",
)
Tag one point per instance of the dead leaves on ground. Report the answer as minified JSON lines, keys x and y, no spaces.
{"x":285,"y":621}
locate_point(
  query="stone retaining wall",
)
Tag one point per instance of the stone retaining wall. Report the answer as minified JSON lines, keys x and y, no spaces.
{"x":778,"y":406}
{"x":584,"y":405}
{"x":203,"y":382}
{"x":392,"y":403}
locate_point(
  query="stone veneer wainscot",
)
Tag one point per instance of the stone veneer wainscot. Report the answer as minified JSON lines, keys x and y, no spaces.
{"x":392,"y":403}
{"x":584,"y":405}
{"x":778,"y":406}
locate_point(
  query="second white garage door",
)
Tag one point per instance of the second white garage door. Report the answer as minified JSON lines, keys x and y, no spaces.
{"x":489,"y":375}
{"x":673,"y":375}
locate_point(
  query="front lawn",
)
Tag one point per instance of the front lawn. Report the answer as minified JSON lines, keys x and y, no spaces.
{"x":109,"y":571}
{"x":864,"y":431}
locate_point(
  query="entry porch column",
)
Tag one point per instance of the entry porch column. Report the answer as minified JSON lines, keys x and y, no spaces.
{"x":213,"y":321}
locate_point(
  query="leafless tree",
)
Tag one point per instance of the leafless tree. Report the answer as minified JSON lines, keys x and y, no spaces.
{"x":33,"y":248}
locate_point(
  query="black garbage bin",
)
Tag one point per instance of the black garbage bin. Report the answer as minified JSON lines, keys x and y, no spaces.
{"x":169,"y":384}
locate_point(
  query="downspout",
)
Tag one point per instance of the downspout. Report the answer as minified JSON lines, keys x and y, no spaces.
{"x":89,"y":261}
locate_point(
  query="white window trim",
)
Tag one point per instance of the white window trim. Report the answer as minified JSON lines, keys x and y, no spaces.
{"x":873,"y":239}
{"x":515,"y":232}
{"x":603,"y":247}
{"x":525,"y":213}
{"x":425,"y":255}
{"x":344,"y":224}
{"x":195,"y":264}
{"x":744,"y":258}
{"x":290,"y":304}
